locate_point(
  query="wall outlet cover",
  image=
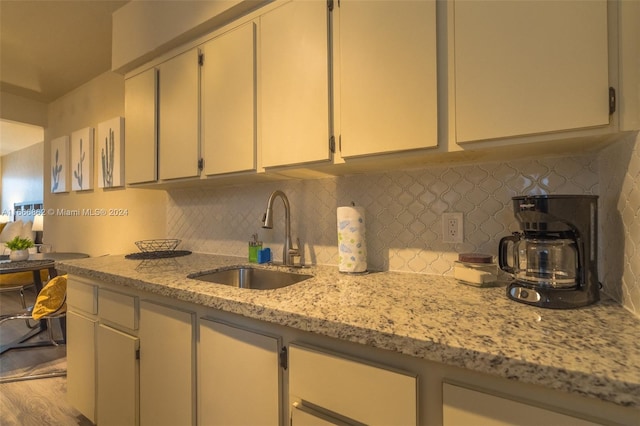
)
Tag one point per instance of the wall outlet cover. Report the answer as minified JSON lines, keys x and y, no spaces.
{"x":452,"y":228}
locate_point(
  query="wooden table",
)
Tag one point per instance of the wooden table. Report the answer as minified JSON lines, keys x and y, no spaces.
{"x":35,"y":266}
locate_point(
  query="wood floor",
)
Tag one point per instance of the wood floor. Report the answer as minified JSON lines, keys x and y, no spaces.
{"x":33,"y":402}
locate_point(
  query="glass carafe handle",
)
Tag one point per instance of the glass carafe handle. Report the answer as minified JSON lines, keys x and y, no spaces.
{"x":503,"y":252}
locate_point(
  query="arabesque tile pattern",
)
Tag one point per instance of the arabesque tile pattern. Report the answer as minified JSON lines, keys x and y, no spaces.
{"x":619,"y":167}
{"x":403,"y":212}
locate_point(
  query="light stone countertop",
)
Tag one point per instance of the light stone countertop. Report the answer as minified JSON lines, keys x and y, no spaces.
{"x":592,"y":351}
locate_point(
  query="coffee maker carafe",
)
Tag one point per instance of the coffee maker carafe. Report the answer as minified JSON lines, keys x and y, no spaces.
{"x":554,"y":259}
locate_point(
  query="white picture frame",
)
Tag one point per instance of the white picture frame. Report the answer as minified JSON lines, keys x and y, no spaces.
{"x":82,"y":159}
{"x":110,"y":153}
{"x":59,"y":164}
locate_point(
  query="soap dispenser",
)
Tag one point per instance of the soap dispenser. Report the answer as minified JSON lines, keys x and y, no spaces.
{"x":254,"y":247}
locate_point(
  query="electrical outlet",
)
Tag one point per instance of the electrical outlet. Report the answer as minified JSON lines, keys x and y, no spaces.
{"x":452,"y":228}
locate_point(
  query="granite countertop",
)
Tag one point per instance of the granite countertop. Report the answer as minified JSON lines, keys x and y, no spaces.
{"x":592,"y":351}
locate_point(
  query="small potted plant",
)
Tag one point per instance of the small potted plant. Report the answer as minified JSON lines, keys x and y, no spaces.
{"x":19,"y":248}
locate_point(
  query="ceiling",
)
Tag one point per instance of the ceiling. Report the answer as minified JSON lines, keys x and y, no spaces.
{"x":47,"y":49}
{"x":15,"y":136}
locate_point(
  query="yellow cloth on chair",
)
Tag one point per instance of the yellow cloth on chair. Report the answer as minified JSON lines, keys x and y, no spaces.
{"x":21,"y":278}
{"x":51,"y":298}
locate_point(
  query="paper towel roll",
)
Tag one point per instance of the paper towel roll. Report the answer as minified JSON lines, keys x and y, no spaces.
{"x":352,"y":242}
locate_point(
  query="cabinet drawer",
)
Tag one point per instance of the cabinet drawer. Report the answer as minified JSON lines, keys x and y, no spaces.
{"x":118,"y":309}
{"x":82,"y":296}
{"x":463,"y":406}
{"x":353,"y":389}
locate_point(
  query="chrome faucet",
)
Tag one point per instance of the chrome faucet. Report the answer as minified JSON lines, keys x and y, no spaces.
{"x":290,"y":254}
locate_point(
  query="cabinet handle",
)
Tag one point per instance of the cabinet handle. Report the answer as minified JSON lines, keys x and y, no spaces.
{"x":612,"y":100}
{"x":284,"y":358}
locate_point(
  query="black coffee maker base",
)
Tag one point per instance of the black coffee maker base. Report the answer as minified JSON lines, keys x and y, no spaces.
{"x":551,"y":298}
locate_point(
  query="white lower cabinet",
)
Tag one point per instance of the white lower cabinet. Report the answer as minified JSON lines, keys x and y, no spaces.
{"x":82,"y":301}
{"x":117,"y":364}
{"x":130,"y":362}
{"x":117,"y":395}
{"x":239,"y":377}
{"x":462,"y":406}
{"x":135,"y":358}
{"x":167,"y":365}
{"x":326,"y":388}
{"x":81,"y":356}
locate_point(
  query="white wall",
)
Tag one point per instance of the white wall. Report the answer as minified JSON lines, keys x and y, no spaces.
{"x":21,"y":176}
{"x":99,"y":100}
{"x":143,"y":30}
{"x":22,"y":110}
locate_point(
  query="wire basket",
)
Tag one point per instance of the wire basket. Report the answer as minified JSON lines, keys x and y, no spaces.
{"x":147,"y":246}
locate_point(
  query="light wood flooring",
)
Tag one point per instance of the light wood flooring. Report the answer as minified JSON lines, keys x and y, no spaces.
{"x":32,"y":402}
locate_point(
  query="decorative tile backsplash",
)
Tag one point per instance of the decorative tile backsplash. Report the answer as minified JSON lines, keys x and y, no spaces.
{"x":619,"y":168}
{"x":403,"y":213}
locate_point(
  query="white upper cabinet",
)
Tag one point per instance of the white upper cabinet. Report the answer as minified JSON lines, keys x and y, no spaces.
{"x":388,"y":77}
{"x":179,"y":92}
{"x":294,"y":84}
{"x":228,"y":102}
{"x":526,"y":67}
{"x":140,"y":103}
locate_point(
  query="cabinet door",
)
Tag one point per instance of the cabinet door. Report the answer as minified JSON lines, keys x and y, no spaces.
{"x":167,"y":366}
{"x":304,"y":416}
{"x":140,"y":106}
{"x":294,"y":84}
{"x":81,"y":366}
{"x":228,"y":102}
{"x":117,"y":378}
{"x":345,"y":388}
{"x":238,"y":376}
{"x":468,"y":407}
{"x":388,"y":79}
{"x":527,"y":67}
{"x":178,"y":116}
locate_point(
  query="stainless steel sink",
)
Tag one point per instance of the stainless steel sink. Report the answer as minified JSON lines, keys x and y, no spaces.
{"x":251,"y":278}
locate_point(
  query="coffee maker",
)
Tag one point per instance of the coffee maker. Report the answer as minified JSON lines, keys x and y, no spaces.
{"x":554,"y":259}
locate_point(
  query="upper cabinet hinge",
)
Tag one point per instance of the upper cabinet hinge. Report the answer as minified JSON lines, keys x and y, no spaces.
{"x":332,"y":144}
{"x":330,"y":5}
{"x":201,"y":164}
{"x":137,"y":353}
{"x":612,"y":100}
{"x":201,"y":59}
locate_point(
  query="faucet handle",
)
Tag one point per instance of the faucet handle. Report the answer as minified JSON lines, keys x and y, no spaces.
{"x":295,"y":254}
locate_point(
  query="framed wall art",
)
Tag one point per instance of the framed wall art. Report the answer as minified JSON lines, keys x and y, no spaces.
{"x":82,"y":159}
{"x":110,"y":152}
{"x":60,"y":164}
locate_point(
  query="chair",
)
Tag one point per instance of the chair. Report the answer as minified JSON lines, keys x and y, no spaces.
{"x":19,"y":281}
{"x":50,"y":304}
